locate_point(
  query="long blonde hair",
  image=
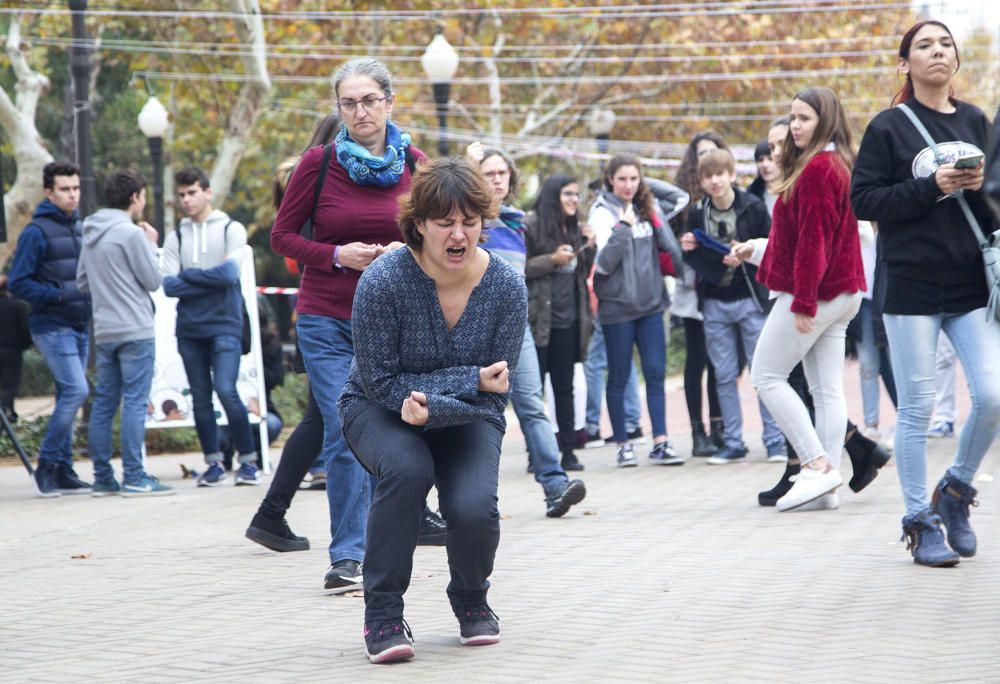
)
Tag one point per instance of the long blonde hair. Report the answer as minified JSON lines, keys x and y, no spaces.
{"x":831,"y":128}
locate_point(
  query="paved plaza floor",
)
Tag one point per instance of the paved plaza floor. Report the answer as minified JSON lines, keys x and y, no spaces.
{"x":663,"y":574}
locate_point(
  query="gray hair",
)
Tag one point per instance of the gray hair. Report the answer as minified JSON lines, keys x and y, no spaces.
{"x":364,"y":66}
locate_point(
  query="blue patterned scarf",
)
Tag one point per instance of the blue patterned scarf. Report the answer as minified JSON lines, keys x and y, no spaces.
{"x":366,"y":169}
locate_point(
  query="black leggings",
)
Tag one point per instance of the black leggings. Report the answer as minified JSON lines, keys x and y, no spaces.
{"x":694,"y":367}
{"x":298,"y":456}
{"x":557,"y":360}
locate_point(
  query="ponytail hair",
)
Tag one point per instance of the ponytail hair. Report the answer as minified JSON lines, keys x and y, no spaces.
{"x":905,"y":94}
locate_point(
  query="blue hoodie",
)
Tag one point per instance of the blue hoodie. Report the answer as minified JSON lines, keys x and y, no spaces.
{"x":43,"y":272}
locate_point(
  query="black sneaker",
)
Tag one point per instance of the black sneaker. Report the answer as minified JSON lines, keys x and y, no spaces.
{"x":68,"y":482}
{"x":44,"y":479}
{"x":433,"y":529}
{"x":664,"y":454}
{"x":636,"y":437}
{"x":570,"y":462}
{"x":478,"y":625}
{"x":594,"y":440}
{"x":275,"y":535}
{"x":572,"y":494}
{"x":344,"y":575}
{"x":388,"y":641}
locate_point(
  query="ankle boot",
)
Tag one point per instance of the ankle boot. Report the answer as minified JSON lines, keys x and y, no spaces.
{"x":925,"y":540}
{"x":771,"y":496}
{"x":701,"y":444}
{"x":716,"y":434}
{"x":867,"y":457}
{"x":570,"y":462}
{"x":951,"y":502}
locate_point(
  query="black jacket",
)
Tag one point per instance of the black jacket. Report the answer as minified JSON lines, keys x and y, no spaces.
{"x":752,"y":221}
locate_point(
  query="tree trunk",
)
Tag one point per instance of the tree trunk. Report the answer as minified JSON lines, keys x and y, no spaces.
{"x":252,"y":98}
{"x":30,"y":155}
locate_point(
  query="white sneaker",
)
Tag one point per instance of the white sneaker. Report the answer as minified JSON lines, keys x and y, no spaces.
{"x":827,"y":502}
{"x":872,"y":432}
{"x":810,"y":484}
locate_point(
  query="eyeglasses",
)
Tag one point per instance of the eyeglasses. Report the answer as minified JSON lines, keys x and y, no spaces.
{"x":369,"y":102}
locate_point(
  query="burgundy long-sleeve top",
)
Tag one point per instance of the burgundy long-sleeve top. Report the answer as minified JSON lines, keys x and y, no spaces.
{"x":814,"y":251}
{"x":346,"y":212}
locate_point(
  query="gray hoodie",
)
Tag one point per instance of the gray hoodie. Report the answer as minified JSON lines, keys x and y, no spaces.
{"x":119,"y":268}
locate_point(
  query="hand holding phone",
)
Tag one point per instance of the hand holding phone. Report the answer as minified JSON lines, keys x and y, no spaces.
{"x":969,"y":161}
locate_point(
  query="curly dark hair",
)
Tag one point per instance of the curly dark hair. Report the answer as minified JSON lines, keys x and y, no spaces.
{"x":687,"y":174}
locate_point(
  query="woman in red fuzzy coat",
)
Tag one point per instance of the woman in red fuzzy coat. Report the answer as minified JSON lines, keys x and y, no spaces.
{"x":813,"y":267}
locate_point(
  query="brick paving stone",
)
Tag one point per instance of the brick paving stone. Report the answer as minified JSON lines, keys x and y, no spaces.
{"x":662,"y":574}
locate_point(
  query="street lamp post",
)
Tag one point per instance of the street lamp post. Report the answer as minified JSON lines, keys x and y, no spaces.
{"x":80,"y":68}
{"x":601,"y":122}
{"x":440,"y":62}
{"x":153,"y":122}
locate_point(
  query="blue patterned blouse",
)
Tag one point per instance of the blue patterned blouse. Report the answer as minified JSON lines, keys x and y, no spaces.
{"x":402,"y":342}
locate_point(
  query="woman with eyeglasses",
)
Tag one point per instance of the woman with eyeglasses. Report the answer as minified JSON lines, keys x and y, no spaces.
{"x":354,"y":222}
{"x":439,"y":327}
{"x":934,"y":279}
{"x":560,"y":254}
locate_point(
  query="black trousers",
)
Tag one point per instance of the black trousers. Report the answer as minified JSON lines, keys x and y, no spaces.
{"x":299,"y":454}
{"x":695,"y":364}
{"x":10,"y":379}
{"x":557,"y":360}
{"x":464,"y":462}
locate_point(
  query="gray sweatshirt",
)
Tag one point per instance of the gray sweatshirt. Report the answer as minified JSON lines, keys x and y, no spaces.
{"x":119,"y":268}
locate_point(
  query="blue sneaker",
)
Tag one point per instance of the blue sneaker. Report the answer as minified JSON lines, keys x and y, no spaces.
{"x":147,"y":486}
{"x":214,"y":476}
{"x":727,"y":455}
{"x":44,"y":479}
{"x":248,"y":474}
{"x":106,"y":488}
{"x":941,"y":429}
{"x":664,"y":454}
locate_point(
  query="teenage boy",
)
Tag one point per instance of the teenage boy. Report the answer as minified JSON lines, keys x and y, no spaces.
{"x":734,"y":305}
{"x":119,"y":268}
{"x":201,"y":267}
{"x":43,"y":274}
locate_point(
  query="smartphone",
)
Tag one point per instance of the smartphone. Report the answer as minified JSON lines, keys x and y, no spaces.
{"x":969,"y":161}
{"x":582,"y":247}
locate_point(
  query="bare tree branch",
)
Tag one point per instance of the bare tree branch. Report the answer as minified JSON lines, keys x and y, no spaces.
{"x":253,"y":95}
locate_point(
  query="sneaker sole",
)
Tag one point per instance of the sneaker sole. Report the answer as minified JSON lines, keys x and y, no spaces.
{"x":346,"y":589}
{"x":392,"y":655}
{"x":798,"y":504}
{"x":573,"y":495}
{"x":218,"y":483}
{"x":98,"y":495}
{"x":629,"y":464}
{"x":250,"y":483}
{"x":673,"y":461}
{"x":480,"y":640}
{"x":778,"y":459}
{"x":725,"y":461}
{"x":274,"y":542}
{"x":139,"y":494}
{"x":75,"y":492}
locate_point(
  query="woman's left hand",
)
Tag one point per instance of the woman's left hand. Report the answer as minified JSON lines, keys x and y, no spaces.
{"x":415,"y":409}
{"x":390,"y":247}
{"x":804,"y":324}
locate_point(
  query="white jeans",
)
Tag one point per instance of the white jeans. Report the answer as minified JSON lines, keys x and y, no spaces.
{"x":821,"y":353}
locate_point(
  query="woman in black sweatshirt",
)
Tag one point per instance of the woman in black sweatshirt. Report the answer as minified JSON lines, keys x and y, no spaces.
{"x":934,"y":280}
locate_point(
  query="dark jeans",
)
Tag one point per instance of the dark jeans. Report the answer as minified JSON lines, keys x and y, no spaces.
{"x":298,"y":456}
{"x":557,"y":359}
{"x":464,"y":462}
{"x":216,"y":361}
{"x":10,"y":379}
{"x":695,"y":364}
{"x":621,"y":339}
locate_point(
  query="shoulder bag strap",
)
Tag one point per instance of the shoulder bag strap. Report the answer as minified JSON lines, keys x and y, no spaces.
{"x":307,"y":227}
{"x":939,"y":158}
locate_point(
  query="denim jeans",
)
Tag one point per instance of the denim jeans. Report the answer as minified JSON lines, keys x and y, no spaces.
{"x":216,"y":361}
{"x":621,"y":338}
{"x":944,"y":381}
{"x":327,"y":351}
{"x":65,"y":352}
{"x":873,"y":361}
{"x":780,"y":348}
{"x":728,"y":325}
{"x":526,"y":397}
{"x":464,"y":462}
{"x":913,"y":345}
{"x":124,"y":375}
{"x":594,"y":369}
